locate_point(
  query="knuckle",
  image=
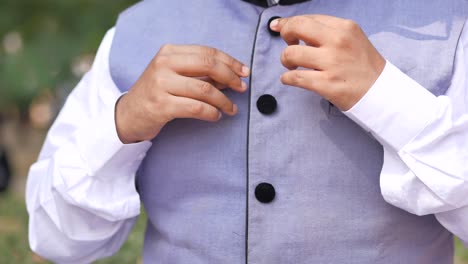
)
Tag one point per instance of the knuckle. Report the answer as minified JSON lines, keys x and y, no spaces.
{"x":290,"y":53}
{"x":210,"y":52}
{"x":159,"y":81}
{"x":204,"y":88}
{"x":232,"y":62}
{"x":212,"y":115}
{"x":160,"y":60}
{"x":196,"y":108}
{"x":296,"y":77}
{"x":341,"y":40}
{"x":227,"y":105}
{"x":297,"y":21}
{"x":287,"y":28}
{"x":209,"y":62}
{"x":233,"y":80}
{"x":166,"y":48}
{"x":330,"y":77}
{"x":333,"y":57}
{"x":350,"y":25}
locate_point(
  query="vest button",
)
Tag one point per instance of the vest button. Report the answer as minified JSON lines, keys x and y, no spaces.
{"x":273,"y":33}
{"x":266,"y":104}
{"x":265,"y":192}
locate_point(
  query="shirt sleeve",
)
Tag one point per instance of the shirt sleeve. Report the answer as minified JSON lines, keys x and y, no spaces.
{"x":80,"y":193}
{"x":425,"y":141}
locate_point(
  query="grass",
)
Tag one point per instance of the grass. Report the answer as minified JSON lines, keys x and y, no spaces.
{"x":14,"y":246}
{"x":461,"y":253}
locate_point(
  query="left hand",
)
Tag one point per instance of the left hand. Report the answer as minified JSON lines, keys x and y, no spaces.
{"x":341,"y":63}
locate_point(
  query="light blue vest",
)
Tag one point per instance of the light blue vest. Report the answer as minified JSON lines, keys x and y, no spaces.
{"x":199,"y":179}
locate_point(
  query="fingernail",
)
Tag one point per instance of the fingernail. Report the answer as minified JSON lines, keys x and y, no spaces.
{"x":220,"y":115}
{"x":245,"y":70}
{"x":234,"y":108}
{"x":274,"y":23}
{"x":244,"y":86}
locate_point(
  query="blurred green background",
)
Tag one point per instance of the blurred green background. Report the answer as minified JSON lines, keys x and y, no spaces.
{"x":45,"y":48}
{"x":48,"y":44}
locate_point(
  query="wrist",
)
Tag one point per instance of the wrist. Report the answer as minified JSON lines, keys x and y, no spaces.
{"x":120,"y":123}
{"x":133,"y":122}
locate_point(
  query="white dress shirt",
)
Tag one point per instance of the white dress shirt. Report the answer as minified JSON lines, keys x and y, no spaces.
{"x":81,"y":196}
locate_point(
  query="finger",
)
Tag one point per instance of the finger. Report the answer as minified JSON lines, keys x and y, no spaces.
{"x":192,"y":65}
{"x":202,"y":91}
{"x":330,"y":21}
{"x":216,"y":84}
{"x":238,"y":67}
{"x":307,"y":79}
{"x":307,"y":29}
{"x":183,"y":107}
{"x":302,"y":56}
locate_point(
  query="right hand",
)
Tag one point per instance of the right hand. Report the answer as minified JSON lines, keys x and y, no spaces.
{"x":180,"y":82}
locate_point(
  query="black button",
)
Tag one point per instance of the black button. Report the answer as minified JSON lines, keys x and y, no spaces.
{"x":266,"y":104}
{"x":273,"y":33}
{"x":265,"y":192}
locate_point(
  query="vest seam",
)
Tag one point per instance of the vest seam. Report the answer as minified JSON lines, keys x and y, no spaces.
{"x":248,"y":141}
{"x":457,"y":44}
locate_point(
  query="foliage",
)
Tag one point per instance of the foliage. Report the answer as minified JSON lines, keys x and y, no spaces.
{"x":46,"y":37}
